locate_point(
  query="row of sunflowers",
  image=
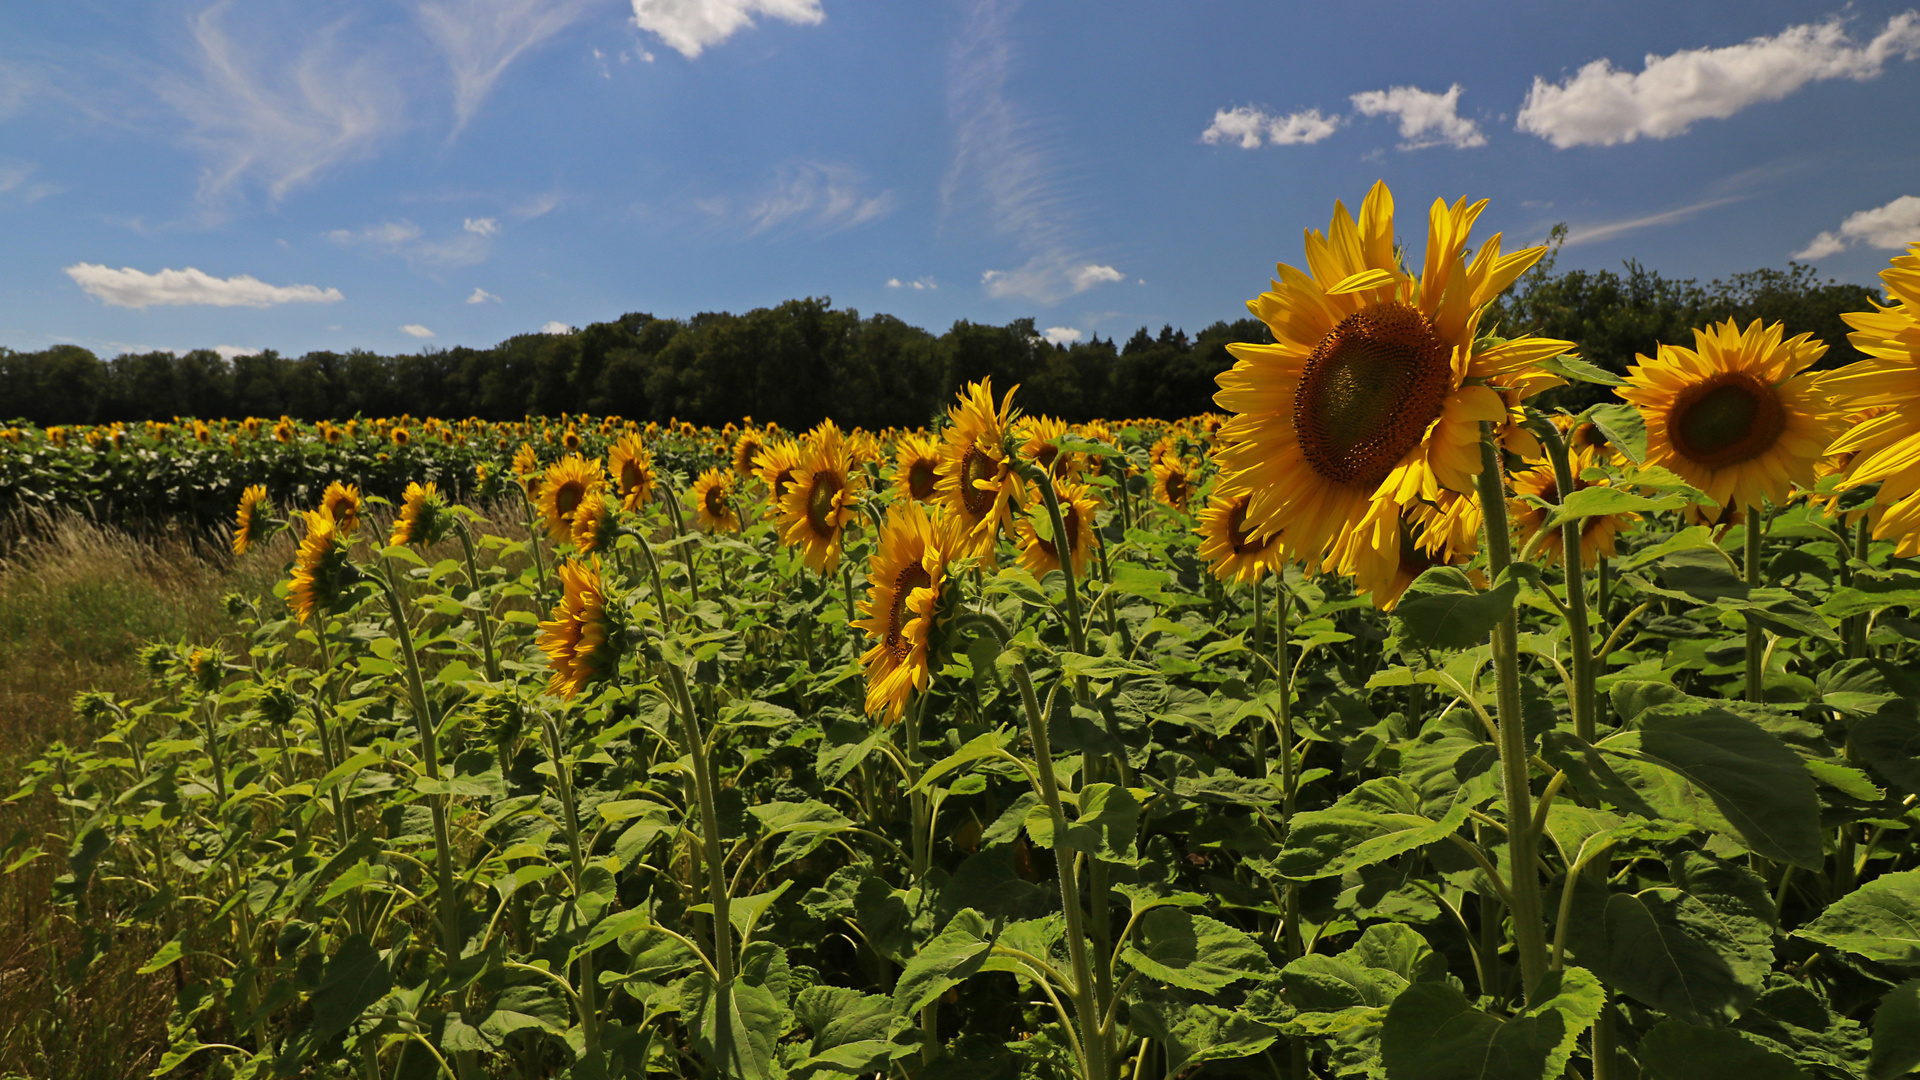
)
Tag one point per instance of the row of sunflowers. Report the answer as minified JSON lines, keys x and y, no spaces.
{"x":1382,"y":725}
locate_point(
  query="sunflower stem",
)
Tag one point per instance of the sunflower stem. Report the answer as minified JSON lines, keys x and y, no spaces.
{"x":484,"y":614}
{"x":1756,"y":634}
{"x":1529,"y":925}
{"x":1857,"y":626}
{"x":1578,"y":625}
{"x":715,"y":859}
{"x":563,"y":781}
{"x":686,"y":551}
{"x":533,"y":541}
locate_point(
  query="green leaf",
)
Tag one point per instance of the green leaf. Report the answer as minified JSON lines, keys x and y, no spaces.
{"x":1372,"y":823}
{"x":1889,"y":742}
{"x":1574,"y":369}
{"x":355,"y":977}
{"x":1896,"y":1033}
{"x":735,"y":1030}
{"x":168,"y":953}
{"x":1196,"y":1033}
{"x":1880,"y":920}
{"x":1434,"y":1033}
{"x":1109,"y":818}
{"x":941,"y":964}
{"x":1676,"y":1050}
{"x":1786,"y":614}
{"x":1703,"y":574}
{"x":529,"y":1006}
{"x":985,"y":745}
{"x":1317,"y":982}
{"x":838,"y":1016}
{"x":1601,"y":501}
{"x":1688,"y":539}
{"x":1624,"y":427}
{"x":1192,"y":951}
{"x":1442,"y":609}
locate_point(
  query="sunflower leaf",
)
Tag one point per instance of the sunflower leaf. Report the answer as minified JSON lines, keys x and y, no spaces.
{"x":1624,"y":428}
{"x":1604,"y":501}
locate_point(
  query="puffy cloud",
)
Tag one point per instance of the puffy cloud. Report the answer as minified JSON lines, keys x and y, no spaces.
{"x":416,"y":330}
{"x":1601,"y":105}
{"x":482,"y":296}
{"x":921,"y":284}
{"x":1426,"y":118}
{"x":127,"y":287}
{"x":1061,"y":335}
{"x":1086,"y":277}
{"x":689,"y":26}
{"x":1891,"y":227}
{"x":824,"y":197}
{"x":556,"y":327}
{"x":485,"y":226}
{"x":1250,"y":127}
{"x":230,"y":352}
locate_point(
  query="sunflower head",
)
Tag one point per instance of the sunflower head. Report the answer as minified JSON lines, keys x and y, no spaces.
{"x":1173,"y":481}
{"x":567,"y":484}
{"x":321,"y":573}
{"x":423,"y":517}
{"x":251,"y":520}
{"x":823,"y":497}
{"x":593,"y":524}
{"x":1038,"y":435}
{"x":1882,"y":448}
{"x":1233,"y":553}
{"x":1041,"y":556}
{"x":712,"y":496}
{"x":631,"y":466}
{"x":341,"y":502}
{"x":582,"y":639}
{"x":977,"y":483}
{"x":907,"y":603}
{"x":916,"y":467}
{"x":1597,"y":532}
{"x":1395,"y":544}
{"x":749,"y":446}
{"x":774,"y":465}
{"x":1095,"y":431}
{"x":205,"y":666}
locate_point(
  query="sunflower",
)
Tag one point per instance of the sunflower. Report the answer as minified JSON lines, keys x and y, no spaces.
{"x":422,"y":519}
{"x":977,"y":484}
{"x":916,"y":467}
{"x":581,"y":638}
{"x":1375,"y":382}
{"x":1095,"y":431}
{"x":713,"y":501}
{"x":1885,"y":447}
{"x":749,"y":446}
{"x":568,"y":483}
{"x":251,"y":519}
{"x":775,"y":464}
{"x":1077,"y":509}
{"x":1037,"y":435}
{"x":1837,"y":465}
{"x":319,"y":568}
{"x":341,"y":502}
{"x":1737,"y":416}
{"x":1394,"y":544}
{"x":816,"y":508}
{"x":1224,"y":542}
{"x":593,"y":524}
{"x":1173,"y":481}
{"x":526,"y":469}
{"x":1514,"y":392}
{"x":1597,"y":532}
{"x":905,"y":585}
{"x":400,"y":436}
{"x":631,"y":465}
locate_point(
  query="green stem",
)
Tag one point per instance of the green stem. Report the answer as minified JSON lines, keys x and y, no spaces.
{"x":1756,"y":635}
{"x":563,"y":778}
{"x":1857,"y":626}
{"x":1584,"y":702}
{"x":1529,"y":924}
{"x":715,"y":857}
{"x":484,"y":614}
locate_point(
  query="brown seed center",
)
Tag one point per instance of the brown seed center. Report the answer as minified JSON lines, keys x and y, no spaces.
{"x":921,"y":478}
{"x":1368,"y":393}
{"x":1730,"y":418}
{"x":820,"y":506}
{"x":912,"y":576}
{"x":977,"y":466}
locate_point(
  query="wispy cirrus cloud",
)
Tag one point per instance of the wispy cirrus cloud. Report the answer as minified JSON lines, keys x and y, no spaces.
{"x":1607,"y":230}
{"x":130,"y":288}
{"x":1890,"y":227}
{"x":1601,"y":105}
{"x":482,"y":38}
{"x":690,"y":26}
{"x":819,"y":197}
{"x":17,"y":181}
{"x":469,"y":247}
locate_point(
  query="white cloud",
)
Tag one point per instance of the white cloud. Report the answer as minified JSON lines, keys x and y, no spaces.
{"x":482,"y":296}
{"x":1426,"y":118}
{"x":556,"y":327}
{"x":1086,"y":277}
{"x":127,"y":287}
{"x":1891,"y":227}
{"x":282,"y":114}
{"x":229,"y":352}
{"x":14,"y":178}
{"x":481,"y":38}
{"x":538,"y":206}
{"x":689,"y":26}
{"x":1587,"y":234}
{"x":416,"y":330}
{"x":921,"y":284}
{"x":485,"y":226}
{"x":825,"y":197}
{"x":1249,"y":127}
{"x":1061,"y":335}
{"x":1047,"y":280}
{"x":407,"y":240}
{"x":1601,"y":105}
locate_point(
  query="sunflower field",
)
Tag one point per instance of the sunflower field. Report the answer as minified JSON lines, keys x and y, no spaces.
{"x":1381,"y":725}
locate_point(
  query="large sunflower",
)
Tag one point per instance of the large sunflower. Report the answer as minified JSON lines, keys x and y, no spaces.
{"x":1374,"y":383}
{"x":822,"y":499}
{"x":712,"y":496}
{"x":593,"y":524}
{"x":319,"y":568}
{"x":580,"y":639}
{"x":1886,"y":448}
{"x":631,"y":466}
{"x":916,"y":467}
{"x":341,"y":502}
{"x":903,"y":608}
{"x":1077,"y":509}
{"x":251,"y":519}
{"x":1738,"y":416}
{"x":1225,"y":543}
{"x":977,"y":482}
{"x":1597,"y":532}
{"x":567,"y":484}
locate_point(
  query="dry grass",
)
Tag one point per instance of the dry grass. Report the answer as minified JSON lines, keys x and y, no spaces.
{"x":77,"y":601}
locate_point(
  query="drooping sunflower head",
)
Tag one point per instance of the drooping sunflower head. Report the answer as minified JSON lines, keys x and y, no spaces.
{"x":526,"y":469}
{"x":205,"y":665}
{"x":1232,"y":552}
{"x":593,"y":524}
{"x":582,"y":637}
{"x":775,"y":465}
{"x":284,"y":431}
{"x":1375,"y":382}
{"x":1884,"y":447}
{"x":631,"y":465}
{"x":1394,"y":544}
{"x":916,"y":467}
{"x":822,"y":499}
{"x":423,"y":517}
{"x":320,"y":569}
{"x":1173,"y":481}
{"x":712,"y":496}
{"x":1037,"y":435}
{"x":567,"y":484}
{"x":977,"y":483}
{"x":251,"y":521}
{"x":341,"y":502}
{"x":906,"y":604}
{"x":1041,"y":556}
{"x":1738,"y":416}
{"x":1597,"y":532}
{"x":745,"y":450}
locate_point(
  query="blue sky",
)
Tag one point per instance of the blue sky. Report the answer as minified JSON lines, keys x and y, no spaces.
{"x":400,"y":174}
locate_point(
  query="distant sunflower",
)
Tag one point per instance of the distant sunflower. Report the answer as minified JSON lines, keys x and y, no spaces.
{"x":1077,"y":509}
{"x":1597,"y":532}
{"x":903,"y":610}
{"x":526,"y":469}
{"x":422,"y":519}
{"x":252,"y":518}
{"x":1886,"y":447}
{"x":713,"y":507}
{"x":581,"y":637}
{"x":1229,"y":549}
{"x":815,"y":511}
{"x":568,"y":483}
{"x":774,"y":465}
{"x":319,"y":568}
{"x":916,"y":467}
{"x":745,"y":449}
{"x":977,"y":483}
{"x":400,"y":436}
{"x":631,"y":465}
{"x":341,"y":502}
{"x":1375,"y":383}
{"x":1095,"y":431}
{"x":1173,"y":481}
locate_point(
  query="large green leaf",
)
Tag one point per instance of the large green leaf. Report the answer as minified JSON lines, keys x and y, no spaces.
{"x":1676,"y":1050}
{"x":1372,"y":823}
{"x":941,"y":964}
{"x":1195,"y":1033}
{"x":1192,"y":951}
{"x":1889,"y":742}
{"x":735,"y":1030}
{"x":1880,"y":920}
{"x":1443,"y":610}
{"x":1896,"y":1032}
{"x":356,"y":976}
{"x":1109,"y":817}
{"x":1624,"y":428}
{"x":852,"y":1031}
{"x":1434,"y":1033}
{"x":1601,"y":501}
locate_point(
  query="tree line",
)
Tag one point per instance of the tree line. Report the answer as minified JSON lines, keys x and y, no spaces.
{"x":805,"y":360}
